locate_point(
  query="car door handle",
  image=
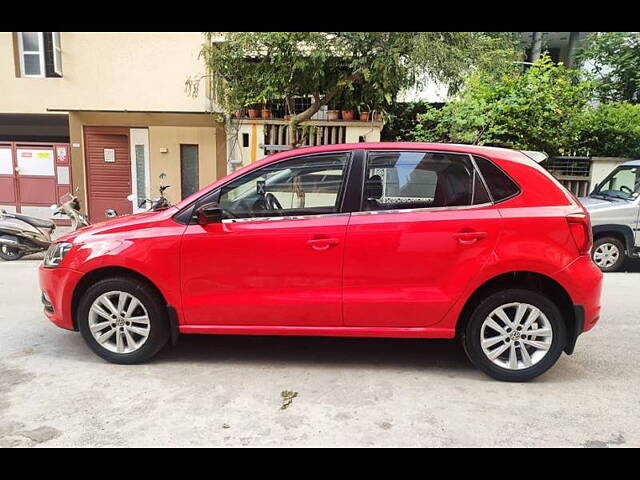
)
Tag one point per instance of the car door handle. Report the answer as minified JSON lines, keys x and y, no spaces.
{"x":322,"y":243}
{"x":467,"y":238}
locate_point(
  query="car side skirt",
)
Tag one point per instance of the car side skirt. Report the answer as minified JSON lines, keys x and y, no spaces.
{"x":386,"y":332}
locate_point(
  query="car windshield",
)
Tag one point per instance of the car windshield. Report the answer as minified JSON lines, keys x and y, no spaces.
{"x":623,"y":183}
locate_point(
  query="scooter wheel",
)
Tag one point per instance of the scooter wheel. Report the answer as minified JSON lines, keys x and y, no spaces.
{"x":8,"y":253}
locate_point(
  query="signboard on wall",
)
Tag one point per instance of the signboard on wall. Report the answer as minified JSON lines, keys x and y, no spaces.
{"x":33,"y":161}
{"x":109,"y":155}
{"x":61,"y":153}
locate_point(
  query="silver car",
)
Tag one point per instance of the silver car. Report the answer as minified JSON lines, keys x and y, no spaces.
{"x":614,"y":206}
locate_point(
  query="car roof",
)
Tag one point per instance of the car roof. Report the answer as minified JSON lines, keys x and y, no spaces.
{"x":631,"y":163}
{"x":495,"y":153}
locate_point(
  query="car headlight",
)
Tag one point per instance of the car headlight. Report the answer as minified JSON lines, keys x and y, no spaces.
{"x":55,"y":254}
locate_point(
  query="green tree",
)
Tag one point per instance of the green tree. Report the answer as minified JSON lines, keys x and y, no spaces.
{"x":538,"y":109}
{"x":611,"y":129}
{"x":614,"y":60}
{"x":255,"y":67}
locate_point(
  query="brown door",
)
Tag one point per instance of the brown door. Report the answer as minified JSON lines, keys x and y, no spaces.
{"x":108,"y":171}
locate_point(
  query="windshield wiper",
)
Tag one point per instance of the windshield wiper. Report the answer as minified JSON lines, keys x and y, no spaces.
{"x":603,"y":196}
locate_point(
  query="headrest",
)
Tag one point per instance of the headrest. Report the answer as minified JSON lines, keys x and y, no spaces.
{"x":373,"y":187}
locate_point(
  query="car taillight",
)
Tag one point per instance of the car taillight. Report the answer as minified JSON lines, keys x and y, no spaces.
{"x":580,"y":228}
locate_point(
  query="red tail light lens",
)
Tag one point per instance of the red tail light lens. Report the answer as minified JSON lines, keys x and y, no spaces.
{"x":580,"y":228}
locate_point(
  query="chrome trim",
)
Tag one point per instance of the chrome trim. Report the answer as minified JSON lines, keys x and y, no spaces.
{"x":484,"y":182}
{"x":288,"y":217}
{"x":426,"y":209}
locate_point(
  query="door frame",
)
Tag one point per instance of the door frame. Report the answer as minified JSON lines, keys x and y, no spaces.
{"x":139,"y":136}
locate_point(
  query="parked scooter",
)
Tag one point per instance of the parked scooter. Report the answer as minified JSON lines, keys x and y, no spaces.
{"x":159,"y":203}
{"x":22,"y":235}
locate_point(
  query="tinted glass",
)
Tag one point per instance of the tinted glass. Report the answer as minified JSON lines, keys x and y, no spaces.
{"x":304,"y":186}
{"x":499,"y":184}
{"x":397,"y":180}
{"x":190,"y":182}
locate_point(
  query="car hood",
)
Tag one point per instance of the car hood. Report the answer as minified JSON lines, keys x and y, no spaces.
{"x":593,"y":204}
{"x":118,"y":224}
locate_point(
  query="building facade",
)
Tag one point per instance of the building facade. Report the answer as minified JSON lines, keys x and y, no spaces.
{"x":105,"y":113}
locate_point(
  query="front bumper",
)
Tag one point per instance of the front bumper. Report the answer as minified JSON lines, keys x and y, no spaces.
{"x":57,"y":285}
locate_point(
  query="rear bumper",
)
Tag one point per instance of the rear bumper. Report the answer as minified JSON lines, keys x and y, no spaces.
{"x":57,"y":285}
{"x":583,"y":281}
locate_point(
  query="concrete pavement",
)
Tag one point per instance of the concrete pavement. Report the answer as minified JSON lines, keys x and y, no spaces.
{"x":227,"y":391}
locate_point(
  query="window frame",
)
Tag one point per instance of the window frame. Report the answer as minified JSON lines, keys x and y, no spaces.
{"x":57,"y":68}
{"x":486,"y":185}
{"x":40,"y":52}
{"x":365,"y":160}
{"x":188,"y":214}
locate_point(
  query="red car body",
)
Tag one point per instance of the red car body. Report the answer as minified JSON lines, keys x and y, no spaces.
{"x":406,"y":274}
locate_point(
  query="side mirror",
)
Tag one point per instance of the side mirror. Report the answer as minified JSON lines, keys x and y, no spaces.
{"x":110,"y":213}
{"x":209,"y":213}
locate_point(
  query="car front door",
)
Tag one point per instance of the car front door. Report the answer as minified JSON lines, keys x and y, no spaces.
{"x":426,"y":227}
{"x":276,"y":257}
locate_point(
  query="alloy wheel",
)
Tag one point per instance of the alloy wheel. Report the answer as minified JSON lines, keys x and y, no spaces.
{"x":119,"y":322}
{"x":516,"y":336}
{"x":606,"y":255}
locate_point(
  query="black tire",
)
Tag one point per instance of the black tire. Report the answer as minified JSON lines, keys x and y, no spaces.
{"x":472,"y":342}
{"x":156,"y":310}
{"x":7,"y":253}
{"x":621,"y":256}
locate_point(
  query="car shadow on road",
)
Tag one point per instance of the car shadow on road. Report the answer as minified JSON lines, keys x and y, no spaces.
{"x":411,"y":354}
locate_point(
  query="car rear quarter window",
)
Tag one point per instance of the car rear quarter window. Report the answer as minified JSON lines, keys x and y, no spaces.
{"x":499,"y":184}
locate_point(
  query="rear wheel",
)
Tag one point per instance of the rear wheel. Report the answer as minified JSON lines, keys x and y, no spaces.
{"x":515,"y":335}
{"x":608,"y":254}
{"x":123,"y":320}
{"x":9,"y":253}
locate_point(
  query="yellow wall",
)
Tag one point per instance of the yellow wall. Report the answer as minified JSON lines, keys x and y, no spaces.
{"x":165,"y":131}
{"x":169,"y":163}
{"x":108,"y":71}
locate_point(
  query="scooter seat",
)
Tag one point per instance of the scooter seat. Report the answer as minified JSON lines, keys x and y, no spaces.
{"x":36,"y":222}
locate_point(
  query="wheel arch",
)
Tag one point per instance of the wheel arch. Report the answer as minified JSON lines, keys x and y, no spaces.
{"x":98,"y":274}
{"x":624,"y":233}
{"x":531,"y":281}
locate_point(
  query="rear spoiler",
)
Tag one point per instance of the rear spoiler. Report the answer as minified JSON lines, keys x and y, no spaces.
{"x":537,"y":157}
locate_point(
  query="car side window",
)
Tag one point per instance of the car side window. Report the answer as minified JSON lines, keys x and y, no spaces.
{"x":399,"y":180}
{"x":499,"y":184}
{"x":300,"y":186}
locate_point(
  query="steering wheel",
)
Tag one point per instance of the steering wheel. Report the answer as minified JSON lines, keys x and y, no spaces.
{"x":624,"y":187}
{"x":271,"y":202}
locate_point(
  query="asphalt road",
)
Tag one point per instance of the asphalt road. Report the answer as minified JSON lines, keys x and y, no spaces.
{"x":227,"y":391}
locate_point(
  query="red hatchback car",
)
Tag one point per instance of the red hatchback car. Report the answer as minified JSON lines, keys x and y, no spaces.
{"x":411,"y":240}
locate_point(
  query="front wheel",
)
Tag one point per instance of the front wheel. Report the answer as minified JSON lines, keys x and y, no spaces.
{"x":515,"y":335}
{"x":123,"y":320}
{"x":9,"y":253}
{"x":608,"y":254}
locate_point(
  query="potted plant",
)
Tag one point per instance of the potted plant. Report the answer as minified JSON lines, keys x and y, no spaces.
{"x":347,"y":114}
{"x":265,"y":113}
{"x":253,"y":111}
{"x":364,"y":112}
{"x":239,"y":113}
{"x":347,"y":105}
{"x":333,"y":113}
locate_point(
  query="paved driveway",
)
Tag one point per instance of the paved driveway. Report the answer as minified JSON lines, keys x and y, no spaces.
{"x":359,"y":392}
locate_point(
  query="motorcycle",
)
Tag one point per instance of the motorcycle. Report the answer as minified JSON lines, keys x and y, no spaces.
{"x":22,"y":235}
{"x":159,"y":203}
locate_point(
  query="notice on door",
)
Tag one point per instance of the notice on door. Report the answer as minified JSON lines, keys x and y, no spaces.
{"x":109,"y":155}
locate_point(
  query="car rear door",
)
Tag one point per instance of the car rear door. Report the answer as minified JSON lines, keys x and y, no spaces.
{"x":425,"y":228}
